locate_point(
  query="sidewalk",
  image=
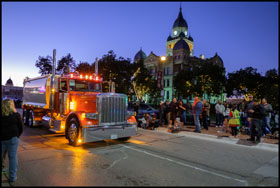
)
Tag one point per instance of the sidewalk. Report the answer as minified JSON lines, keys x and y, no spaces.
{"x":216,"y":132}
{"x":5,"y":182}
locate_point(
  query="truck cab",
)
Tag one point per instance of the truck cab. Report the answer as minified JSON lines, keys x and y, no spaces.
{"x":75,"y":105}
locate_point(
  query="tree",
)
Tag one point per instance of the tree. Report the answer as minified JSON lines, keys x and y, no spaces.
{"x":203,"y":77}
{"x":66,"y":65}
{"x":244,"y":82}
{"x":270,"y":89}
{"x":142,"y":80}
{"x":45,"y":65}
{"x":84,"y":68}
{"x":117,"y":70}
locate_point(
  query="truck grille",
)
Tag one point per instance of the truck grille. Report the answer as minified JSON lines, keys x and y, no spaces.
{"x":111,"y":109}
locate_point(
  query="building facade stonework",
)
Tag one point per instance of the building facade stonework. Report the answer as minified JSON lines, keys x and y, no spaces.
{"x":179,"y":56}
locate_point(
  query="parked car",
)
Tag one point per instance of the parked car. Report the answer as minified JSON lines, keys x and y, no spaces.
{"x":143,"y":109}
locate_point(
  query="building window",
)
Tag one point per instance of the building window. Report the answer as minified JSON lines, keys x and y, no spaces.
{"x":167,"y":95}
{"x":175,"y":57}
{"x":167,"y":84}
{"x":168,"y":71}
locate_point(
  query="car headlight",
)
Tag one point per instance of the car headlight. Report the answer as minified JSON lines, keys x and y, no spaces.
{"x":131,"y":113}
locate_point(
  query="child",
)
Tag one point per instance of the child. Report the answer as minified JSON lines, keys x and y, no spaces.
{"x":234,"y":121}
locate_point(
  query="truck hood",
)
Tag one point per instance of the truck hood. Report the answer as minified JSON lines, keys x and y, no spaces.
{"x":84,"y":101}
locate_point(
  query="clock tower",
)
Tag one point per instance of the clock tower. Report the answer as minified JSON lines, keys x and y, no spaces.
{"x":179,"y":30}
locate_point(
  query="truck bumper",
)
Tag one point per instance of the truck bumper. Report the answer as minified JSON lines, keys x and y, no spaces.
{"x":93,"y":134}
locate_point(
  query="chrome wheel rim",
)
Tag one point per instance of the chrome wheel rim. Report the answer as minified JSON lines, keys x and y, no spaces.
{"x":73,"y":132}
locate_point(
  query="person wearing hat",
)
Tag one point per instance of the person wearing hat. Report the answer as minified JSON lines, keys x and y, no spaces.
{"x":257,"y":114}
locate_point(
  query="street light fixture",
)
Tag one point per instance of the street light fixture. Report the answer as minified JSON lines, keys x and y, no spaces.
{"x":162,"y":58}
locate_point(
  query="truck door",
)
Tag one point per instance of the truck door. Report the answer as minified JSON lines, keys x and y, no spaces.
{"x":63,"y":95}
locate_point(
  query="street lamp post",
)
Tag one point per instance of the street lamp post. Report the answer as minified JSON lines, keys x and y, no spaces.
{"x":160,"y":76}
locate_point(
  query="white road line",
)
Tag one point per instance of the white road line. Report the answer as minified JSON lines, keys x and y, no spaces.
{"x":118,"y":160}
{"x":183,"y":164}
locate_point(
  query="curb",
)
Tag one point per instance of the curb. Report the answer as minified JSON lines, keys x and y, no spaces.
{"x":265,"y":146}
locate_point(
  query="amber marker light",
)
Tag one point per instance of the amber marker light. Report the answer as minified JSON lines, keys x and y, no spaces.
{"x":83,"y":115}
{"x":90,"y":77}
{"x":81,"y":76}
{"x":86,"y":77}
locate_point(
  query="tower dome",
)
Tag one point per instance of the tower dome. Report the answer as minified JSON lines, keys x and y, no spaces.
{"x":9,"y":82}
{"x":218,"y":60}
{"x":140,"y":55}
{"x":190,"y":38}
{"x":169,"y":38}
{"x":180,"y":21}
{"x":181,"y":44}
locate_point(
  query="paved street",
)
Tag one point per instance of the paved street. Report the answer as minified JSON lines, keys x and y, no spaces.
{"x":151,"y":158}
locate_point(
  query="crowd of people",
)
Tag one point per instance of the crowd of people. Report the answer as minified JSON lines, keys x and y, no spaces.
{"x":252,"y":117}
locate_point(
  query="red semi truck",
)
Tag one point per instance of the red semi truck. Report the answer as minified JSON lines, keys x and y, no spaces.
{"x":74,"y":104}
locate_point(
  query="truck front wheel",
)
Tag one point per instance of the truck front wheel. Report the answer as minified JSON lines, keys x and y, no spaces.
{"x":72,"y":132}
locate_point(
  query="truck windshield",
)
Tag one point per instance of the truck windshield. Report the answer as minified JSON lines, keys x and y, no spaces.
{"x":84,"y":85}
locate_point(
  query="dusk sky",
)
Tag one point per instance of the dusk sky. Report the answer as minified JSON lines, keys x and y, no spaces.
{"x":242,"y":33}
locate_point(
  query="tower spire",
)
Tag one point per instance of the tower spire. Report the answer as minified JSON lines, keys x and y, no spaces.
{"x":180,"y":6}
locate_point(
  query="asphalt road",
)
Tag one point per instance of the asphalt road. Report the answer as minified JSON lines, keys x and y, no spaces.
{"x":151,"y":158}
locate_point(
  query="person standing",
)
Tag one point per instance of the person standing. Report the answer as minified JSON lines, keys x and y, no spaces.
{"x":219,"y":113}
{"x":167,"y":112}
{"x":136,"y":110}
{"x":11,"y":129}
{"x":162,"y":109}
{"x":257,"y":114}
{"x":205,"y":114}
{"x":226,"y":117}
{"x":173,"y":110}
{"x":248,"y":106}
{"x":234,"y":121}
{"x":196,"y":110}
{"x":268,"y":110}
{"x":181,"y":110}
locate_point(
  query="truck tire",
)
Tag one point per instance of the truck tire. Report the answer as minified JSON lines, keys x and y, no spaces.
{"x":124,"y":138}
{"x":30,"y":118}
{"x":25,"y":116}
{"x":72,"y":132}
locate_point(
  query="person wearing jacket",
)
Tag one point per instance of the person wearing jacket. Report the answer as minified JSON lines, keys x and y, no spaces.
{"x":11,"y":129}
{"x":257,"y":114}
{"x":220,"y":108}
{"x":268,"y":110}
{"x":234,"y":121}
{"x":174,"y":110}
{"x":196,"y":110}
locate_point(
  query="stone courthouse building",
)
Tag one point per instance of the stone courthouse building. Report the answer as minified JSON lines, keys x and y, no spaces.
{"x":11,"y":91}
{"x":179,"y":56}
